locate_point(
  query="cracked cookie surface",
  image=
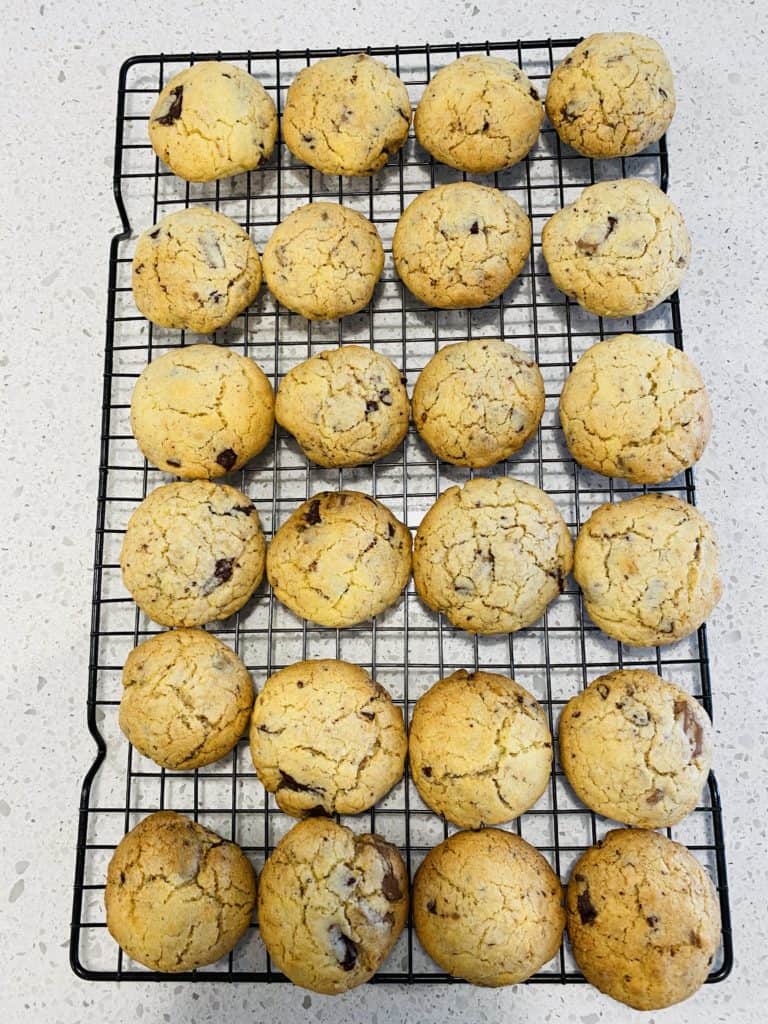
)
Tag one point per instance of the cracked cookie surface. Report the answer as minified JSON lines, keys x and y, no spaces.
{"x":192,"y":553}
{"x":491,"y":555}
{"x":619,"y":250}
{"x":636,"y":748}
{"x":339,"y":559}
{"x":488,"y":908}
{"x":461,"y":245}
{"x":178,"y":896}
{"x":213,"y":120}
{"x":346,"y":115}
{"x":202,"y":411}
{"x":345,"y":406}
{"x":643,"y":919}
{"x":331,"y":905}
{"x":480,"y":749}
{"x":477,"y":402}
{"x":613,"y":95}
{"x":186,"y":698}
{"x":479,"y":114}
{"x":323,"y":261}
{"x":195,"y":270}
{"x":635,"y":408}
{"x":648,"y":569}
{"x":326,"y":737}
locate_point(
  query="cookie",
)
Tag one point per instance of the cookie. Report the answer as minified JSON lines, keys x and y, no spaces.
{"x":211,"y":121}
{"x":643,"y":919}
{"x":477,"y":402}
{"x":339,"y":559}
{"x":346,"y":406}
{"x":648,"y":569}
{"x":619,"y":250}
{"x":192,"y":553}
{"x":635,"y":408}
{"x":636,"y":748}
{"x":613,"y":95}
{"x":323,"y":261}
{"x":331,"y":905}
{"x":491,"y":555}
{"x":488,"y":908}
{"x":479,"y":748}
{"x":178,"y":896}
{"x":326,"y":737}
{"x":202,"y":411}
{"x":461,"y":245}
{"x":186,"y":699}
{"x":196,"y":269}
{"x":346,"y":115}
{"x":479,"y":114}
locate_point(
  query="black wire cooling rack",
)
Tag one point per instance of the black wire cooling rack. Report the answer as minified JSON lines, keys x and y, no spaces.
{"x":407,"y":648}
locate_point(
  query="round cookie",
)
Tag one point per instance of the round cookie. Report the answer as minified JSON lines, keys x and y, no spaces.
{"x":346,"y":115}
{"x":186,"y":699}
{"x":479,"y":114}
{"x":613,"y":95}
{"x":339,"y":559}
{"x":346,"y":406}
{"x":196,"y":269}
{"x":480,"y":749}
{"x":488,"y":908}
{"x":326,"y":737}
{"x":178,"y":896}
{"x":635,"y":408}
{"x":461,"y":245}
{"x":192,"y":553}
{"x":331,"y":905}
{"x":648,"y":569}
{"x":202,"y":411}
{"x":619,"y":250}
{"x":213,"y":120}
{"x":636,"y":748}
{"x":477,"y":402}
{"x":323,"y":261}
{"x":643,"y":919}
{"x":491,"y":555}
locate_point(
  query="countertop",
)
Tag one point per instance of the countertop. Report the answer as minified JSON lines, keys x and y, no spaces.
{"x":59,"y":80}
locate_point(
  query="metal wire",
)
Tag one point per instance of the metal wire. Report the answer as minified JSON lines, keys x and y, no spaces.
{"x":407,"y":648}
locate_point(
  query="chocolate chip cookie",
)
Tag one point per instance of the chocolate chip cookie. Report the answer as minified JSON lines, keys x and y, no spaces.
{"x":479,"y":114}
{"x":619,"y":250}
{"x":192,"y":553}
{"x":326,"y":737}
{"x":613,"y":95}
{"x":196,"y":269}
{"x":202,"y":411}
{"x":480,"y":749}
{"x":331,"y":905}
{"x":178,"y":896}
{"x":461,"y":245}
{"x":477,"y":402}
{"x":491,"y":555}
{"x":339,"y":559}
{"x":648,"y":569}
{"x":346,"y":115}
{"x":488,"y":908}
{"x":213,"y":120}
{"x":643,"y":919}
{"x":346,"y":406}
{"x":635,"y":408}
{"x":636,"y":748}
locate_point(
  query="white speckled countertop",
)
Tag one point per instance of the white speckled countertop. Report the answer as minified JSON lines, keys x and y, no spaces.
{"x":59,"y":75}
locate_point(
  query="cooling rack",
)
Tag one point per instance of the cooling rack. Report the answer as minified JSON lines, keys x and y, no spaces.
{"x":408,"y":647}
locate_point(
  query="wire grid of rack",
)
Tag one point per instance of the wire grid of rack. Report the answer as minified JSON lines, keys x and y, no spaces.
{"x":407,"y":648}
